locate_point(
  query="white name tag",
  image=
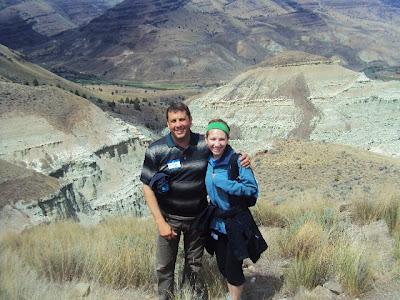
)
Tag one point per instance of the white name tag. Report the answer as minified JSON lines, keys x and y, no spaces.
{"x":174,"y":164}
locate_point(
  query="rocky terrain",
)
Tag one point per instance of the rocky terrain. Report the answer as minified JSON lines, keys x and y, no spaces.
{"x":26,"y":22}
{"x":211,"y":41}
{"x":61,"y":156}
{"x":316,"y":99}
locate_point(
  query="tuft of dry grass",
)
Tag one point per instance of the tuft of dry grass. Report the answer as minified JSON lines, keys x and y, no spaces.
{"x":384,"y":205}
{"x":353,"y":269}
{"x":309,"y":271}
{"x":118,"y":253}
{"x":285,"y":213}
{"x":301,"y":241}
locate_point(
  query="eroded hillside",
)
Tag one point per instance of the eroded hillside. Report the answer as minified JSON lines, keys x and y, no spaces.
{"x":61,"y":155}
{"x":316,"y":99}
{"x":212,"y":41}
{"x":24,"y":23}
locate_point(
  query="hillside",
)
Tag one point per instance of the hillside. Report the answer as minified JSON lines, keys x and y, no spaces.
{"x":211,"y":41}
{"x":296,"y":169}
{"x":25,"y":22}
{"x":313,"y":100}
{"x":60,"y":155}
{"x":14,"y":68}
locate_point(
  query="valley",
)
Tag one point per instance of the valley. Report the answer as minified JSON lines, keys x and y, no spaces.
{"x":310,"y":89}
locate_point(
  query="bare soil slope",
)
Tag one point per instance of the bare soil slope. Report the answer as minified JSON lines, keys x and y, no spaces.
{"x":21,"y":184}
{"x":294,"y":169}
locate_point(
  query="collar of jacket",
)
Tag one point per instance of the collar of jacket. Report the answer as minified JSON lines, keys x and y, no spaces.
{"x":224,"y":159}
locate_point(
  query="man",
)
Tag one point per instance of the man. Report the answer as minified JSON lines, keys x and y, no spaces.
{"x":182,"y":155}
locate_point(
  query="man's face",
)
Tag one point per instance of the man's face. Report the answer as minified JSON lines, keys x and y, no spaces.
{"x":179,"y":124}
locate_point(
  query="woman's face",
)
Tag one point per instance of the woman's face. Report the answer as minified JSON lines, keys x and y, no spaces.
{"x":217,"y":141}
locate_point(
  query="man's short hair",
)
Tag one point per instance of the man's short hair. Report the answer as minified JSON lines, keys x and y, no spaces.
{"x":178,"y":106}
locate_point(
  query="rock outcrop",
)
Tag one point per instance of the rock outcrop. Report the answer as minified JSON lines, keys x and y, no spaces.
{"x":316,"y":99}
{"x":94,"y":158}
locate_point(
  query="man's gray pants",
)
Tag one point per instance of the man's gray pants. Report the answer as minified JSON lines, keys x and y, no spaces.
{"x":167,"y":251}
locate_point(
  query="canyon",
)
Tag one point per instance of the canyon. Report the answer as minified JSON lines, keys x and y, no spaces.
{"x":62,"y":156}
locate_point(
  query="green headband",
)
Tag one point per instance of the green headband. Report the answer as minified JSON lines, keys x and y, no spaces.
{"x":218,"y":125}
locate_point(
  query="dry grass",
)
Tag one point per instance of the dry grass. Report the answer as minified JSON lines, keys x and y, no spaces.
{"x":211,"y":281}
{"x":118,"y":253}
{"x":309,"y":271}
{"x":396,"y":251}
{"x":19,"y":281}
{"x":311,"y":234}
{"x":314,"y":239}
{"x":306,"y":205}
{"x":353,"y":268}
{"x":384,"y":205}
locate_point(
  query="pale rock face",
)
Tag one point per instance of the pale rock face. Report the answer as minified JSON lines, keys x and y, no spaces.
{"x":96,"y":158}
{"x":316,"y":100}
{"x":365,"y":115}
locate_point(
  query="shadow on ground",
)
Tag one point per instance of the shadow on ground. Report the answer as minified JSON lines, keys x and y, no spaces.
{"x":261,"y":287}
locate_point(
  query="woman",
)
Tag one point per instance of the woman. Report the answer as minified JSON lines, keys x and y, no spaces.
{"x":219,"y":188}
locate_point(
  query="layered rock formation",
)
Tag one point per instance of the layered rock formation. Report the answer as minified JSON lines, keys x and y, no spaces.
{"x":208,"y":41}
{"x":316,"y":99}
{"x":94,"y":158}
{"x":25,"y":23}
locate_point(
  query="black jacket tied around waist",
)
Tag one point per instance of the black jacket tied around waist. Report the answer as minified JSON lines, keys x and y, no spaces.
{"x":243,"y":235}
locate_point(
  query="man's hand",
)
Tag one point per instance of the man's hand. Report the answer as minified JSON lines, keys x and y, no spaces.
{"x":244,"y":159}
{"x":166,"y":230}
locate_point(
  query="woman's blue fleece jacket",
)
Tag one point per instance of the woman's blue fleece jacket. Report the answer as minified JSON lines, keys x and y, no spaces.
{"x":219,"y":186}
